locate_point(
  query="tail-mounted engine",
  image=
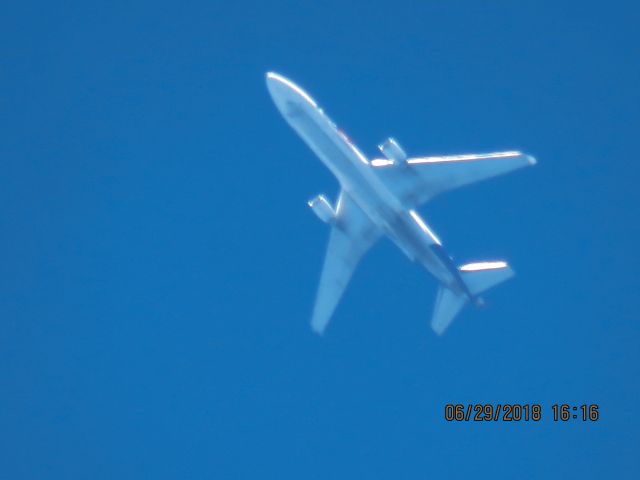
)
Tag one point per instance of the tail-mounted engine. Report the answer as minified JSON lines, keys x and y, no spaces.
{"x":393,"y":151}
{"x":322,"y":208}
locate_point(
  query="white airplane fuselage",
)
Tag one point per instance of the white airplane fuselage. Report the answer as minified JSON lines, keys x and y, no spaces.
{"x":356,"y":177}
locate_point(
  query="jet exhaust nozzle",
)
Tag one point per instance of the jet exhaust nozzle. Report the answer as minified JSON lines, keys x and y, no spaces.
{"x":322,"y":208}
{"x":393,"y":151}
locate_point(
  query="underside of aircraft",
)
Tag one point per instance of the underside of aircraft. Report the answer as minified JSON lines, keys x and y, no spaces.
{"x":379,"y":197}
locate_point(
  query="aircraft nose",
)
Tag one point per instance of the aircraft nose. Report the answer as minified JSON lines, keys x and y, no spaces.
{"x":271,"y":76}
{"x":284,"y":92}
{"x":277,"y":86}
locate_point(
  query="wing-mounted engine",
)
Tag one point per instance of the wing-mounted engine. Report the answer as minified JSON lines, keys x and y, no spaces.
{"x":322,"y":208}
{"x":393,"y":151}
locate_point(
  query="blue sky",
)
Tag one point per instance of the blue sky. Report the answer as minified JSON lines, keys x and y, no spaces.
{"x":159,"y":263}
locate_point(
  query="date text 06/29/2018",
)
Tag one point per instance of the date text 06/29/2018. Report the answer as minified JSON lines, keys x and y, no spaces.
{"x":516,"y":412}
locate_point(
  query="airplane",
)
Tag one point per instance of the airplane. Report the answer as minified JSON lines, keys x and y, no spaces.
{"x":379,"y":197}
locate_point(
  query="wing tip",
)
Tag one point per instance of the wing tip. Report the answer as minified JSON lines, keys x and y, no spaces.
{"x":318,"y":328}
{"x":320,"y":319}
{"x":438,"y":331}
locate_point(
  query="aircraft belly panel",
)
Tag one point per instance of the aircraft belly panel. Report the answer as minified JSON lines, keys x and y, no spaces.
{"x":379,"y":196}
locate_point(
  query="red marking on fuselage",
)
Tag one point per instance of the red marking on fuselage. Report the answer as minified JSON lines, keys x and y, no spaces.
{"x":345,"y":137}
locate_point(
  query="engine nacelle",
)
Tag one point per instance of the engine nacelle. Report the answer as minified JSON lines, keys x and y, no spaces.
{"x":322,"y":208}
{"x":393,"y":151}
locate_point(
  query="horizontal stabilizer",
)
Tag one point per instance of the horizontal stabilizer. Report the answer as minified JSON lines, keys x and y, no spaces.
{"x":448,"y":305}
{"x":478,"y":277}
{"x":484,"y":275}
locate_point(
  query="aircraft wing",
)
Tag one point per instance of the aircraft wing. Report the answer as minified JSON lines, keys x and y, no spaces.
{"x":418,"y":180}
{"x":352,"y":234}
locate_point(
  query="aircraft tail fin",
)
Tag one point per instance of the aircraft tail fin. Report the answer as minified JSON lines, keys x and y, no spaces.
{"x":478,"y":278}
